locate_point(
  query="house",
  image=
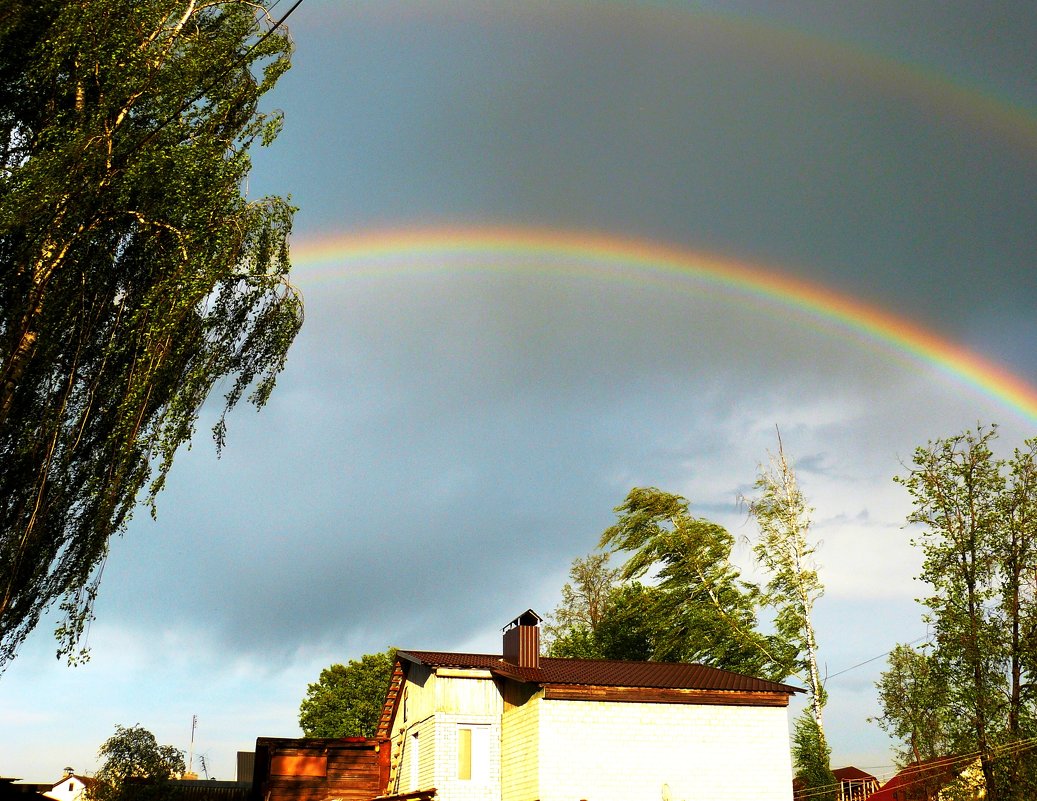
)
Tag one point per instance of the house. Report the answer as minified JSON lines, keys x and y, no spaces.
{"x":70,"y":787}
{"x":854,"y":783}
{"x":518,"y":727}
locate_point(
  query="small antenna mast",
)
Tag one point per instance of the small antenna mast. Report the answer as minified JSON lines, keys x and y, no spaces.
{"x":190,"y":757}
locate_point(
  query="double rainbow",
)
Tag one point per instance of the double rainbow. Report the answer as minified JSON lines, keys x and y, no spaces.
{"x":610,"y":257}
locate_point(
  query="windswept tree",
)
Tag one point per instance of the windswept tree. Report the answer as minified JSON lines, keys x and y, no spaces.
{"x":785,"y":552}
{"x":706,"y":612}
{"x":135,"y":274}
{"x":915,"y":709}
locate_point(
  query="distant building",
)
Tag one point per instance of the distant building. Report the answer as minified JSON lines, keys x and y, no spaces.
{"x":246,"y":766}
{"x":935,"y":780}
{"x":12,"y":790}
{"x":854,"y":783}
{"x":70,"y":787}
{"x":210,"y":790}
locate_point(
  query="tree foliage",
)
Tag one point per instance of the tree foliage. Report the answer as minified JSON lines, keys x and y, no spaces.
{"x":706,"y":613}
{"x":346,"y":701}
{"x":787,"y":555}
{"x":136,"y":767}
{"x":630,"y":628}
{"x":915,"y":708}
{"x":586,"y":595}
{"x":601,"y":617}
{"x":135,"y":275}
{"x":978,"y":514}
{"x":811,"y":759}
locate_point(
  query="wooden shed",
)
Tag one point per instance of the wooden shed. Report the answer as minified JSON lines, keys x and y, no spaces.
{"x":317,"y":769}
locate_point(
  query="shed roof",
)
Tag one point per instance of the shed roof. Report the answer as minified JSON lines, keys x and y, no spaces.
{"x":850,"y":773}
{"x":598,"y":672}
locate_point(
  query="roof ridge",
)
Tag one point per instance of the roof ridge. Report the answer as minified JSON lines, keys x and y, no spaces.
{"x":607,"y":672}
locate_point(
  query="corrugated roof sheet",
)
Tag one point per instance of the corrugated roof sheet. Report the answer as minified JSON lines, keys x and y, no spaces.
{"x":851,"y":773}
{"x":670,"y":675}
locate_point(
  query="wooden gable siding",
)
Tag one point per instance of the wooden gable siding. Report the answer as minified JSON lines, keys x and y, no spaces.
{"x":468,"y":692}
{"x":662,"y":695}
{"x":350,"y":769}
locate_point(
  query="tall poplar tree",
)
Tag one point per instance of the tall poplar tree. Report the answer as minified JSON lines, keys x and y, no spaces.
{"x":978,"y":515}
{"x":135,"y":273}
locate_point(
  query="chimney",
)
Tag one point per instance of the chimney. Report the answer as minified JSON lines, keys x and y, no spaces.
{"x":522,"y":640}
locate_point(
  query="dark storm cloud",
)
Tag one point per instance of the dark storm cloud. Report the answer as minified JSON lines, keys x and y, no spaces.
{"x":447,"y":436}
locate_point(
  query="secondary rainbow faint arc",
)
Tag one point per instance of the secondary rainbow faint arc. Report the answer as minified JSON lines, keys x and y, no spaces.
{"x":608,"y":256}
{"x":983,"y":106}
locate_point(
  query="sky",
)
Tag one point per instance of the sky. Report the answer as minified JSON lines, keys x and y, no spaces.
{"x":551,"y":252}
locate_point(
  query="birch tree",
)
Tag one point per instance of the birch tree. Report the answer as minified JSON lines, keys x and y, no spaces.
{"x":786,"y":553}
{"x":135,"y":273}
{"x":784,"y":550}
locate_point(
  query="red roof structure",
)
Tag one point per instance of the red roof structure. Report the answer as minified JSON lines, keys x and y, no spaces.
{"x":852,"y":774}
{"x":921,"y":781}
{"x":855,"y":784}
{"x":599,"y":672}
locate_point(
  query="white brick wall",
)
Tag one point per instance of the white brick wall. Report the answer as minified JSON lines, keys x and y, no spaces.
{"x":426,"y":749}
{"x":450,"y":787}
{"x":605,"y":751}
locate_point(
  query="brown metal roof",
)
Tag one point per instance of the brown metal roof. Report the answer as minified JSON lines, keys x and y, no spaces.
{"x":672,"y":675}
{"x":851,"y":773}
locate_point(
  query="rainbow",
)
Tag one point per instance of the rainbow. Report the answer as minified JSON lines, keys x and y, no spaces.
{"x":610,"y":257}
{"x":982,"y":106}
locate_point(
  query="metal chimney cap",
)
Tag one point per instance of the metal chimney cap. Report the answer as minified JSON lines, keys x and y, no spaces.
{"x":527,"y":618}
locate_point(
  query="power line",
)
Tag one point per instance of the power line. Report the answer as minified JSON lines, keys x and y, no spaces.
{"x":926,"y":770}
{"x":866,"y":661}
